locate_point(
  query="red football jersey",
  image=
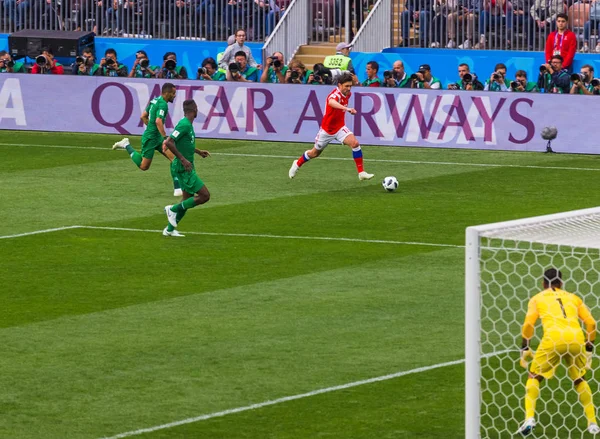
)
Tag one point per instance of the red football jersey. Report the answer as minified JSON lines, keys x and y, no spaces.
{"x":335,"y":119}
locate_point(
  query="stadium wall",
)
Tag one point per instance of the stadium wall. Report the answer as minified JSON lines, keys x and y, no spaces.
{"x":189,"y":53}
{"x":281,"y":112}
{"x":444,"y":62}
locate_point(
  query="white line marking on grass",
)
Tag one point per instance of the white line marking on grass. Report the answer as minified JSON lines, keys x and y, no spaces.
{"x":37,"y":232}
{"x":295,"y":397}
{"x":412,"y":162}
{"x":259,"y":235}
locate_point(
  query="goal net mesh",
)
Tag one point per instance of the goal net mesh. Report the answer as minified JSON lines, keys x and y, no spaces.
{"x":512,"y":260}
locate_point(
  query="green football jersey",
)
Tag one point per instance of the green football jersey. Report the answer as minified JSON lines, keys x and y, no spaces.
{"x":185,"y":139}
{"x":157,"y":108}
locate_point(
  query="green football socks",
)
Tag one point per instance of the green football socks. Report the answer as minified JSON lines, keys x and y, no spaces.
{"x":136,"y":157}
{"x":183,"y":206}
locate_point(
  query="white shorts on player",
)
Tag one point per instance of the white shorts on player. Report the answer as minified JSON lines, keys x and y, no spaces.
{"x":324,"y":138}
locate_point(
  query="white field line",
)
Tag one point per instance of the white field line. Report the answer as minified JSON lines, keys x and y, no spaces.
{"x":412,"y":162}
{"x":300,"y":396}
{"x":37,"y":232}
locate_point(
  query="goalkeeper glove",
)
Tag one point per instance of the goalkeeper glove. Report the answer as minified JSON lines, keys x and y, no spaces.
{"x":589,"y":353}
{"x":526,"y":356}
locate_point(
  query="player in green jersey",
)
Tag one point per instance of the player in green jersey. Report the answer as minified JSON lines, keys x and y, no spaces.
{"x":182,"y":143}
{"x":154,"y":118}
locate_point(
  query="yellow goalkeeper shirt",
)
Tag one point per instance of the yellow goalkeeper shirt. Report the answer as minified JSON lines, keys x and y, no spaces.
{"x":560,"y":312}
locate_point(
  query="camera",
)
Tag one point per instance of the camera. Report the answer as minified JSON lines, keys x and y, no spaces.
{"x":234,"y":68}
{"x":80,"y":60}
{"x":453,"y":86}
{"x":543,"y":69}
{"x":202,"y":71}
{"x":514,"y":85}
{"x":322,"y":74}
{"x":144,"y":63}
{"x":109,"y":61}
{"x":595,"y":82}
{"x":467,"y":78}
{"x":388,"y":74}
{"x":170,"y":64}
{"x":41,"y":60}
{"x":7,"y":63}
{"x":496,"y":76}
{"x":276,"y":62}
{"x":294,"y":75}
{"x":576,"y":77}
{"x":414,"y":77}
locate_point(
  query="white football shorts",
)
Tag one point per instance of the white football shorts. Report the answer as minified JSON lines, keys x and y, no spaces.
{"x":324,"y":138}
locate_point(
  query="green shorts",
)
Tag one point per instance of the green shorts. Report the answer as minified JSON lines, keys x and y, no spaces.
{"x":150,"y":145}
{"x":189,"y":181}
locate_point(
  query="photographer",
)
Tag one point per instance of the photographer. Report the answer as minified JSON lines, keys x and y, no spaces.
{"x":276,"y":69}
{"x":372,"y":78}
{"x":498,"y":81}
{"x":240,"y":71}
{"x":582,"y":82}
{"x":424,"y":79}
{"x":170,"y":69}
{"x":396,"y":77}
{"x":85,"y":64}
{"x":467,"y":81}
{"x":141,"y":67}
{"x":209,"y":71}
{"x":46,"y":64}
{"x":520,"y":84}
{"x":7,"y":65}
{"x":109,"y":66}
{"x":297,"y":73}
{"x":553,"y":78}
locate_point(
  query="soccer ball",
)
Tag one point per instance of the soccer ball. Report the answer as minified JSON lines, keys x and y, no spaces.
{"x":390,"y":184}
{"x":549,"y":133}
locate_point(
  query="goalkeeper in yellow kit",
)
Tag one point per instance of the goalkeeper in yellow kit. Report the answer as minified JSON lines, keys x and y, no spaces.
{"x":563,"y":339}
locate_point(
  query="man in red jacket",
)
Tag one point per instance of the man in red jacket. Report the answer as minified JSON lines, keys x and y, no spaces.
{"x":45,"y":63}
{"x":562,"y":42}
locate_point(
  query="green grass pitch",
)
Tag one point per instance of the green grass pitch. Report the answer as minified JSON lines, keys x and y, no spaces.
{"x":106,"y":331}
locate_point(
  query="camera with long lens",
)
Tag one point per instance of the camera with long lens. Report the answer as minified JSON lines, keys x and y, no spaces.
{"x":467,"y":78}
{"x":543,"y":68}
{"x":276,"y":62}
{"x":388,"y":74}
{"x":144,"y":63}
{"x":80,"y":60}
{"x":294,"y":75}
{"x":322,"y":74}
{"x":234,"y":68}
{"x":202,"y":71}
{"x":41,"y":60}
{"x":578,"y":77}
{"x":110,"y":62}
{"x":595,"y":82}
{"x":170,"y":64}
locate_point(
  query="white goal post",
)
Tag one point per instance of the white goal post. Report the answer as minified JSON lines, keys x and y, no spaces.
{"x":504,"y":265}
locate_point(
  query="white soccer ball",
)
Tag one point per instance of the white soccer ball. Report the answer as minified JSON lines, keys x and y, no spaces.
{"x":549,"y":133}
{"x":390,"y":184}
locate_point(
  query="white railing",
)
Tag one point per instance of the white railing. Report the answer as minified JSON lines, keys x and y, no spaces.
{"x":291,"y":32}
{"x":376,"y":32}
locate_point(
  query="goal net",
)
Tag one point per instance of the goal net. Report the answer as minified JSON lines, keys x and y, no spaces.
{"x":505,"y":263}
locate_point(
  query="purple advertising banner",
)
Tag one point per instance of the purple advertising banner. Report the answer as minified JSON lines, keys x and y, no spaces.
{"x":277,"y":112}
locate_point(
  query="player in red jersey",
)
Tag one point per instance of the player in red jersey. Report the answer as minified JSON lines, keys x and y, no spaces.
{"x":333,"y":127}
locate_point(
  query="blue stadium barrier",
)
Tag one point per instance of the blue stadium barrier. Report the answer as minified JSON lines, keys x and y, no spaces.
{"x":189,"y":53}
{"x":444,"y":62}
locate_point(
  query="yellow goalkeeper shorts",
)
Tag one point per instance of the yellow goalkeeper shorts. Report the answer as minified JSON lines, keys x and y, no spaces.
{"x":550,"y":353}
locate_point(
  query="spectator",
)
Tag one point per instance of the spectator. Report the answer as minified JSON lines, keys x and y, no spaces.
{"x":230,"y":41}
{"x":266,"y":14}
{"x":109,"y":65}
{"x":341,"y":60}
{"x":411,"y":15}
{"x":562,"y":42}
{"x":275,"y":70}
{"x":240,"y":70}
{"x":210,"y":71}
{"x":85,"y":65}
{"x":464,"y":12}
{"x":372,"y":78}
{"x":544,"y":12}
{"x":593,"y":22}
{"x":438,"y":23}
{"x":16,"y":10}
{"x":205,"y":15}
{"x":170,"y":69}
{"x":498,"y":81}
{"x":468,"y":81}
{"x":46,"y":64}
{"x":518,"y":20}
{"x":7,"y":65}
{"x":582,"y":82}
{"x":297,"y":73}
{"x":493,"y":15}
{"x":231,"y":51}
{"x":236,"y":13}
{"x":553,"y":77}
{"x":424,"y":79}
{"x":396,"y":77}
{"x":141,"y":66}
{"x":520,"y":84}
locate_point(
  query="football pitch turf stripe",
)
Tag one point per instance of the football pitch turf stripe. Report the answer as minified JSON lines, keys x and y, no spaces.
{"x":241,"y":235}
{"x":408,"y":162}
{"x":299,"y":396}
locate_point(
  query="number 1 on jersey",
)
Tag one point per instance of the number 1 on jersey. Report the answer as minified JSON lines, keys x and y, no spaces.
{"x":562,"y":307}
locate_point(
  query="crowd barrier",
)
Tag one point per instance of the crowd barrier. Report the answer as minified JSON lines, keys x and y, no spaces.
{"x":292,"y":113}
